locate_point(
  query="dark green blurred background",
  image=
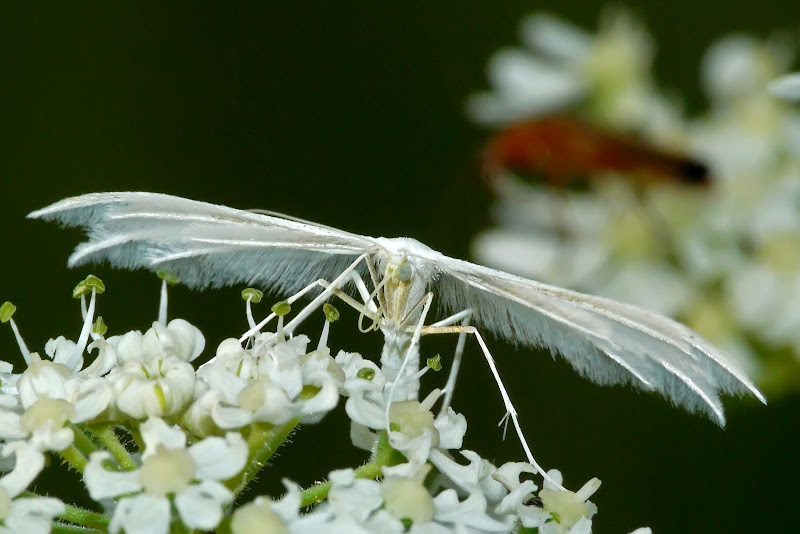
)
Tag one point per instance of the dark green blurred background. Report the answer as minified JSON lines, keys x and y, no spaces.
{"x":352,"y":116}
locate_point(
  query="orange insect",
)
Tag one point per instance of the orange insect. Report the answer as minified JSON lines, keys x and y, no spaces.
{"x":560,"y":147}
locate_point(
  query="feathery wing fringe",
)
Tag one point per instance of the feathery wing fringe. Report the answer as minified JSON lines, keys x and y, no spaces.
{"x":210,"y":245}
{"x":203,"y":244}
{"x":606,"y":341}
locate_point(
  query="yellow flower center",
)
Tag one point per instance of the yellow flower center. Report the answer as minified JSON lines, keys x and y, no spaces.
{"x":258,"y":517}
{"x":167,"y":471}
{"x":46,"y":410}
{"x":407,"y":498}
{"x":413,"y":419}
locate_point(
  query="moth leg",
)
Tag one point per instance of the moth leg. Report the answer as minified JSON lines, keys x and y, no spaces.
{"x":330,"y":288}
{"x":464,"y":317}
{"x":510,"y":410}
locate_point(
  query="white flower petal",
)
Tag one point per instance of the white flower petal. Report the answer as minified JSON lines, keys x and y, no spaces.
{"x":217,"y":458}
{"x":230,"y":418}
{"x":451,"y":426}
{"x":786,"y":87}
{"x":33,"y":515}
{"x":187,"y":339}
{"x":103,"y":484}
{"x":94,"y":396}
{"x":141,"y":514}
{"x":128,"y":346}
{"x":156,"y":432}
{"x":29,"y":463}
{"x":9,"y":425}
{"x":200,"y":505}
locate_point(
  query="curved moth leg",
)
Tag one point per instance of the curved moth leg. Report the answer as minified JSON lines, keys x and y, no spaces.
{"x":330,"y":288}
{"x":510,"y":410}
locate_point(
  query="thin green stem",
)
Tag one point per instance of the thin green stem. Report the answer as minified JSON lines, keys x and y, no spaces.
{"x":74,"y":458}
{"x":87,"y":518}
{"x":137,"y":438}
{"x":264,"y":440}
{"x":319,"y":493}
{"x":384,"y":456}
{"x":108,"y":437}
{"x":82,"y":441}
{"x":61,"y":528}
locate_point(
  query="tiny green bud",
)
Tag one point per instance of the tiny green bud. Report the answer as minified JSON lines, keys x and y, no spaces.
{"x":394,"y":427}
{"x":6,"y":311}
{"x":99,"y":326}
{"x":92,"y":282}
{"x":435,"y":363}
{"x":331,"y":313}
{"x":366,"y":373}
{"x":281,"y":308}
{"x":253,"y":294}
{"x":168,"y":277}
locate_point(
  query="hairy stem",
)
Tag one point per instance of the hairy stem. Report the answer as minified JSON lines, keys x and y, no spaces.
{"x":264,"y":440}
{"x":74,"y":458}
{"x":384,"y":455}
{"x":82,"y":440}
{"x":108,"y":437}
{"x":61,"y":528}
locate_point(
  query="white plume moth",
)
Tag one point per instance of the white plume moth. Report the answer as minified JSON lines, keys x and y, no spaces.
{"x":209,"y":245}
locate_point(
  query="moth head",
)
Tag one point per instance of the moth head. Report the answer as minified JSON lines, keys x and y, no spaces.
{"x":400,"y":271}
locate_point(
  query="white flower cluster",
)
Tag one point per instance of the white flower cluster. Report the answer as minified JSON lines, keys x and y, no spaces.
{"x":162,"y":446}
{"x":724,"y":259}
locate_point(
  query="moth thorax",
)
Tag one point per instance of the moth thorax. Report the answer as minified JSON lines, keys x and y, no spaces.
{"x":402,"y":290}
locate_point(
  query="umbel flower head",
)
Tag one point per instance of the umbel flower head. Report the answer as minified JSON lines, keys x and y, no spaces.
{"x":162,"y":446}
{"x":722,"y":258}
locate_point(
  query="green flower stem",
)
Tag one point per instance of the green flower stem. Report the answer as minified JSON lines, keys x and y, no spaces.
{"x":319,"y":493}
{"x":108,"y":437}
{"x":74,"y":457}
{"x":263,"y":441}
{"x":87,"y":518}
{"x":384,"y":455}
{"x":61,"y":528}
{"x":82,"y":441}
{"x":137,"y":438}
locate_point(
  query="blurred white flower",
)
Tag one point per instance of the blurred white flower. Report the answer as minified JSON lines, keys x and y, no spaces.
{"x":25,"y":514}
{"x":170,"y":474}
{"x":786,"y":87}
{"x":722,"y":259}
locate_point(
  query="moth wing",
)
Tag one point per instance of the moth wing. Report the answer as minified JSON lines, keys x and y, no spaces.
{"x":606,"y":341}
{"x":204,"y":244}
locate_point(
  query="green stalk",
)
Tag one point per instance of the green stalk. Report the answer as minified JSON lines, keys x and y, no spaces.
{"x":384,"y":455}
{"x":86,"y":518}
{"x":108,"y":437}
{"x":264,"y":440}
{"x":61,"y":528}
{"x":319,"y":493}
{"x":82,"y":441}
{"x":74,"y":458}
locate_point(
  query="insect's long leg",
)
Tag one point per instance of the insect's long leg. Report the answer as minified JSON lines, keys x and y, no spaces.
{"x":511,"y":411}
{"x":464,"y":317}
{"x":375,"y":282}
{"x":329,"y":289}
{"x":322,"y":297}
{"x":271,"y":316}
{"x":363,"y":291}
{"x":414,"y":340}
